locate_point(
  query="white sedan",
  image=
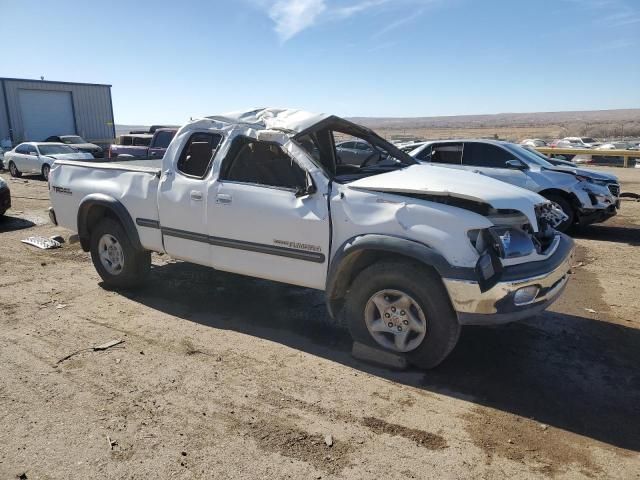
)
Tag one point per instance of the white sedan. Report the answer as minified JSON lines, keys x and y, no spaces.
{"x":37,"y":157}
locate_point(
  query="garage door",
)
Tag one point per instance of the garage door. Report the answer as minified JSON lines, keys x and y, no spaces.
{"x":46,"y":113}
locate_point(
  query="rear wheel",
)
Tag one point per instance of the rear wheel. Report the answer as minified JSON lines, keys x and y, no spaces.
{"x":119,"y":264}
{"x":403,"y":308}
{"x":568,"y":210}
{"x":45,"y":171}
{"x":13,"y":170}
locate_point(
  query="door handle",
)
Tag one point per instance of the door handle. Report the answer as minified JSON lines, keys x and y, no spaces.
{"x":168,"y":173}
{"x":223,"y":199}
{"x":195,"y":195}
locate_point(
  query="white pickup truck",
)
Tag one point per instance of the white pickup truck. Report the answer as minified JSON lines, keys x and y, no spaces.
{"x":406,"y":253}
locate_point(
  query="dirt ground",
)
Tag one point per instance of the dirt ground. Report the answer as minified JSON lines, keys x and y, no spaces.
{"x":232,"y":378}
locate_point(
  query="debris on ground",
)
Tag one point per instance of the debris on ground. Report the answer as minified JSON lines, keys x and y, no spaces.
{"x":631,"y":195}
{"x":328,"y":440}
{"x":57,"y":238}
{"x":42,"y":242}
{"x":590,"y":310}
{"x":109,"y":344}
{"x":112,"y":443}
{"x":378,"y":356}
{"x":97,"y":348}
{"x":60,"y":306}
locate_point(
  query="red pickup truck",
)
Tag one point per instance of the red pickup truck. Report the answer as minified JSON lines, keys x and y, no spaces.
{"x":155,"y":149}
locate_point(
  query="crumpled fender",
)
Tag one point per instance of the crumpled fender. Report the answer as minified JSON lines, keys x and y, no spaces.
{"x":344,"y":264}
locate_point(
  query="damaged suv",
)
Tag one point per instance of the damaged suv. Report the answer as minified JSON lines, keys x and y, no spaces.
{"x":585,"y":196}
{"x":405,"y":253}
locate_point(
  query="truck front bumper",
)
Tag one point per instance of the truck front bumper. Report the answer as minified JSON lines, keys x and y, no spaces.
{"x":539,"y":286}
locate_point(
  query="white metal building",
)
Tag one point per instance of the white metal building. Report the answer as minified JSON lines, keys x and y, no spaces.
{"x":32,"y":110}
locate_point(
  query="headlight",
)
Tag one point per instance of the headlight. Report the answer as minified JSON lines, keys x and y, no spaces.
{"x":506,"y":242}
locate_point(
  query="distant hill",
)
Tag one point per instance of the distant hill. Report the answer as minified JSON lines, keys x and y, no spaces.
{"x":506,"y":119}
{"x":512,"y":126}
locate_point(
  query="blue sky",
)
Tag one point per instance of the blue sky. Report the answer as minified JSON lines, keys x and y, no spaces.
{"x":168,"y":61}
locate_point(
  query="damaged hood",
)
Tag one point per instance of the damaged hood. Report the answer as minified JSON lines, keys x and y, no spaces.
{"x":434,"y":180}
{"x":584,"y":172}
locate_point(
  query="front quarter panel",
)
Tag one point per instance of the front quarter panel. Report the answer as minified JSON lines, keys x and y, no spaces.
{"x":441,"y":227}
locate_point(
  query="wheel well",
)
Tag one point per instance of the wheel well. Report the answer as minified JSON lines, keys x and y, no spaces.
{"x":354,"y":264}
{"x":569,"y":197}
{"x":94,"y":215}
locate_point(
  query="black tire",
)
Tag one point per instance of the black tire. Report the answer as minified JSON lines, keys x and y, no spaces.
{"x":13,"y":170}
{"x":46,"y":168}
{"x":136,"y":264}
{"x":567,"y":209}
{"x":425,"y":287}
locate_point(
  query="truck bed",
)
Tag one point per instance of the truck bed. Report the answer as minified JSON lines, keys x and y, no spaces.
{"x":133,"y":183}
{"x":147,"y":166}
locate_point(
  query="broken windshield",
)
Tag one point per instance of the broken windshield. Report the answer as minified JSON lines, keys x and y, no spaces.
{"x":348,"y":152}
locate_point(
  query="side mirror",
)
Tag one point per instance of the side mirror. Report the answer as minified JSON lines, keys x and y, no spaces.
{"x":516,"y":165}
{"x":309,"y":189}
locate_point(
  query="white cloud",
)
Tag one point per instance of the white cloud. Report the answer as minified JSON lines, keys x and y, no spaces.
{"x":293,"y":16}
{"x":345,"y":12}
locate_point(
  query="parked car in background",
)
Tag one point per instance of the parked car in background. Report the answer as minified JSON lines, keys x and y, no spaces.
{"x":135,"y":139}
{"x":5,"y":197}
{"x":615,"y":146}
{"x":144,"y":145}
{"x":583,"y":142}
{"x":534,"y":142}
{"x":405,"y":253}
{"x":354,"y":152}
{"x":410,"y":146}
{"x":565,"y":144}
{"x":585,"y":196}
{"x":78,"y":143}
{"x":38,"y":157}
{"x":2,"y":167}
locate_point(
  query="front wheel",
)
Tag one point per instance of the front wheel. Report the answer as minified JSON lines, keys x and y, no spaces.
{"x":13,"y":170}
{"x":118,"y":263}
{"x":403,"y":308}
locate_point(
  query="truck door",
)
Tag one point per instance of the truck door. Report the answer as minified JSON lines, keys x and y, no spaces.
{"x":264,"y":220}
{"x":183,"y":200}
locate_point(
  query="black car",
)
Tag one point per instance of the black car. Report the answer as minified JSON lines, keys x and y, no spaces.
{"x":5,"y":197}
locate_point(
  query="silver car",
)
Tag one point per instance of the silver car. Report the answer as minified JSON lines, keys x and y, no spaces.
{"x":585,"y":196}
{"x":354,"y":152}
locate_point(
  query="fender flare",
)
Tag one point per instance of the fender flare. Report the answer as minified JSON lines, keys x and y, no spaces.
{"x":112,"y":205}
{"x":345,"y":262}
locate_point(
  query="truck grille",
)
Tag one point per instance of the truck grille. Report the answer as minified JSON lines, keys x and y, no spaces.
{"x":614,"y":188}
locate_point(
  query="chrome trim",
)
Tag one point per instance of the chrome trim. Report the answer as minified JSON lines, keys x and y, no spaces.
{"x":466,"y":296}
